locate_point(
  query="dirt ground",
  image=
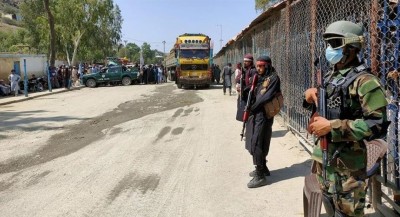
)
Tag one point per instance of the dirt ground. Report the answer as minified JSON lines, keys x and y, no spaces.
{"x":141,"y":150}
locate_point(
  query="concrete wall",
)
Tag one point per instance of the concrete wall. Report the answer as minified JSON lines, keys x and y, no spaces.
{"x":16,"y":17}
{"x":35,"y":64}
{"x":9,"y":16}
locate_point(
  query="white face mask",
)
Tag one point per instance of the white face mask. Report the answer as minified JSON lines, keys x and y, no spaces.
{"x":333,"y":55}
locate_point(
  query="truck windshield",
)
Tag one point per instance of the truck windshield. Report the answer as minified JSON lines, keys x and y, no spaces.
{"x":191,"y":53}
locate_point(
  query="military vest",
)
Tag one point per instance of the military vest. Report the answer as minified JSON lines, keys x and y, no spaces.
{"x":338,"y":97}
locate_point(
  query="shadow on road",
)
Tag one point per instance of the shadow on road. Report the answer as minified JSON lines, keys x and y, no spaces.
{"x":77,"y":136}
{"x":295,"y":170}
{"x":279,"y":133}
{"x":26,"y":121}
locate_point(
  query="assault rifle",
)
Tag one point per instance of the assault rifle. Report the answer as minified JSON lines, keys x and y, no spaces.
{"x":246,"y":113}
{"x":321,"y":111}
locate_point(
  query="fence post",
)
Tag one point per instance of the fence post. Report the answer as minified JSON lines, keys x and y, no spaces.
{"x":287,"y":55}
{"x":376,"y":186}
{"x":48,"y":77}
{"x":313,"y":38}
{"x":374,"y":37}
{"x":25,"y":80}
{"x":376,"y":192}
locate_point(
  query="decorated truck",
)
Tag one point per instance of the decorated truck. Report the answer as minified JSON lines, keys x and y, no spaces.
{"x":189,"y":62}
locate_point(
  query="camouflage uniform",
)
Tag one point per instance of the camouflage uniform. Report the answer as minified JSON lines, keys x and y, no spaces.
{"x":364,"y":117}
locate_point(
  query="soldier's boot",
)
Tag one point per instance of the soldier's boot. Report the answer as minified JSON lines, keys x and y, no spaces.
{"x":266,"y":172}
{"x":259,"y":178}
{"x":327,"y":200}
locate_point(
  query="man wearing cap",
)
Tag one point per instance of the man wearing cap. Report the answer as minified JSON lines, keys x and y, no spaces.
{"x":259,"y":126}
{"x":356,"y":111}
{"x":249,"y":69}
{"x":244,"y":86}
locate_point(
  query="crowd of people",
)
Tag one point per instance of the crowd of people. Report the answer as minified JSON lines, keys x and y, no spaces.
{"x":62,"y":76}
{"x":65,"y":76}
{"x":153,"y":73}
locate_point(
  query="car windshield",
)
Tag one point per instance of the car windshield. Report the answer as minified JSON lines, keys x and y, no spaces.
{"x":104,"y":70}
{"x":193,"y":53}
{"x":113,"y":69}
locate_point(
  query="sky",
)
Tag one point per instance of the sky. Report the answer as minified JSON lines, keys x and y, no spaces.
{"x":155,"y":21}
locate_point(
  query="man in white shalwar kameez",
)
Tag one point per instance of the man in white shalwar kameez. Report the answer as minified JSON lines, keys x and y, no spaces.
{"x":14,"y":78}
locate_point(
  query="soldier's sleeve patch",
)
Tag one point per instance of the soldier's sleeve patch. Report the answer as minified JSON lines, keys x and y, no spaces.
{"x":374,"y":100}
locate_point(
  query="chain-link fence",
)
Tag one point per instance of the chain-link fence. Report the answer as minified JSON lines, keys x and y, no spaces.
{"x":290,"y":32}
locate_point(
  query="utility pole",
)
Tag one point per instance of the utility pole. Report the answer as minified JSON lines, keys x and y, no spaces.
{"x":220,"y":40}
{"x":125,"y":46}
{"x":164,"y":47}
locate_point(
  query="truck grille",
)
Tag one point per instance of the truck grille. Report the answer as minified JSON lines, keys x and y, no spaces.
{"x":194,"y":67}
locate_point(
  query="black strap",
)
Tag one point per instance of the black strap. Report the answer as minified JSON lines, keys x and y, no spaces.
{"x":351,"y":76}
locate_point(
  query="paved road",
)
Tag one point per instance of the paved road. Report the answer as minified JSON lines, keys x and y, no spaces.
{"x":141,"y":150}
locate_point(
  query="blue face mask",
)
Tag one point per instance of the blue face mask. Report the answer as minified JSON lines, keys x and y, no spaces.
{"x":333,"y":55}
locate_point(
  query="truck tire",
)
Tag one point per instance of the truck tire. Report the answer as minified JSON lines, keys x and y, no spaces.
{"x":126,"y":81}
{"x":91,"y":83}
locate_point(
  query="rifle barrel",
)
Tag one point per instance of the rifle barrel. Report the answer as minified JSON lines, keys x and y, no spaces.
{"x":246,"y":113}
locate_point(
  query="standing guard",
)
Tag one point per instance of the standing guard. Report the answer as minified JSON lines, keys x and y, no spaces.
{"x":355,"y":111}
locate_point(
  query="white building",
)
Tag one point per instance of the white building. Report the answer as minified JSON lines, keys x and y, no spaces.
{"x":33,"y":63}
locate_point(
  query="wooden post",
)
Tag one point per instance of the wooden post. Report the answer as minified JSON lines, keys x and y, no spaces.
{"x":313,"y":38}
{"x":287,"y":54}
{"x":376,"y":192}
{"x":374,"y":37}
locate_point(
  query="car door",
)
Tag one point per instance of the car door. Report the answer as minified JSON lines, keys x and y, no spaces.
{"x":104,"y":75}
{"x":114,"y":73}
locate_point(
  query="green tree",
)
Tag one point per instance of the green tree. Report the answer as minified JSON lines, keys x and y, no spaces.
{"x":261,"y":5}
{"x":17,"y":41}
{"x":134,"y":52}
{"x":84,"y":29}
{"x":89,"y":18}
{"x":9,"y":10}
{"x":35,"y":22}
{"x":52,"y":32}
{"x":147,"y":53}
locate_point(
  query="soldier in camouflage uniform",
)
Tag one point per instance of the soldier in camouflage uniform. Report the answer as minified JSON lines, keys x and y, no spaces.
{"x":356,"y":110}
